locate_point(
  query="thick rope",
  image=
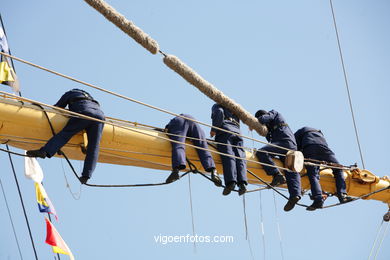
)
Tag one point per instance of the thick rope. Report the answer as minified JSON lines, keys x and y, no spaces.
{"x":125,"y":25}
{"x":212,"y":92}
{"x":175,"y":64}
{"x":346,"y":84}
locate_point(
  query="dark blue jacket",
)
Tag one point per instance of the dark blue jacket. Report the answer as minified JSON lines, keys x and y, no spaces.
{"x":223,"y":118}
{"x":78,"y":101}
{"x":278,"y":130}
{"x":309,"y":136}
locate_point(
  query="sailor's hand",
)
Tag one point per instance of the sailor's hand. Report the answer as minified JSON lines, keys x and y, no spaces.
{"x":212,"y":133}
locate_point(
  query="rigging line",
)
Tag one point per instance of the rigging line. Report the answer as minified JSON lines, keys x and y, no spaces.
{"x":136,"y":101}
{"x":21,"y":200}
{"x":10,"y":218}
{"x":245,"y":219}
{"x":78,"y":115}
{"x":376,"y":239}
{"x":76,"y":196}
{"x":192,"y":210}
{"x":381,"y":241}
{"x":246,"y":227}
{"x":277,"y":223}
{"x":262,"y":224}
{"x":346,"y":83}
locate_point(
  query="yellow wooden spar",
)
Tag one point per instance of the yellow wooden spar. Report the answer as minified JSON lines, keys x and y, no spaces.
{"x":25,"y":126}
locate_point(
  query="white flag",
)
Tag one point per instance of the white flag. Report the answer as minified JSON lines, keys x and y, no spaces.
{"x":32,"y":169}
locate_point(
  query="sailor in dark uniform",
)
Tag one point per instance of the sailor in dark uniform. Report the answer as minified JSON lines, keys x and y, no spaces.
{"x":82,"y":102}
{"x":178,"y":129}
{"x":234,"y":170}
{"x":314,"y":146}
{"x":280,"y":134}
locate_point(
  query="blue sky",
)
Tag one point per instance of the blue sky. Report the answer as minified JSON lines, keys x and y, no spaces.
{"x":278,"y":55}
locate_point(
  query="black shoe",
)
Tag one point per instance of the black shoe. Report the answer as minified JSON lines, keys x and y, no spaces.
{"x":84,"y":179}
{"x":242,"y":189}
{"x":278,"y":179}
{"x":317,"y":204}
{"x":291,"y":203}
{"x":173,"y":177}
{"x":228,"y":188}
{"x":215,"y":178}
{"x":36,"y":153}
{"x":343,"y":198}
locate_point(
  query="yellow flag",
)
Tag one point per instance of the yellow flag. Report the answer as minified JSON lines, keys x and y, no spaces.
{"x":6,"y":72}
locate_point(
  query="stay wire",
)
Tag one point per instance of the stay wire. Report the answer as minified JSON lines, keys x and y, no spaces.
{"x":22,"y":202}
{"x":10,"y":218}
{"x":376,"y":239}
{"x":262,"y":224}
{"x":381,"y":240}
{"x":346,"y":84}
{"x":246,"y":227}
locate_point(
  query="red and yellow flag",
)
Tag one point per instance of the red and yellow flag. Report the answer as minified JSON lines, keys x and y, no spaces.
{"x":54,"y":239}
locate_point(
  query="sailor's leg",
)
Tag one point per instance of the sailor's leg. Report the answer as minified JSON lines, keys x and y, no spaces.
{"x":293,"y":183}
{"x":341,"y":187}
{"x":200,"y":140}
{"x":240,"y":163}
{"x":266,"y":158}
{"x":228,"y":163}
{"x":73,"y":126}
{"x":314,"y":178}
{"x":94,"y":133}
{"x":178,"y":129}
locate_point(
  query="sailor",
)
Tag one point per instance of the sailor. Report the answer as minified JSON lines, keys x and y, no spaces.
{"x":234,"y":169}
{"x":82,"y":102}
{"x":279,"y":134}
{"x":313,"y":145}
{"x":178,"y":129}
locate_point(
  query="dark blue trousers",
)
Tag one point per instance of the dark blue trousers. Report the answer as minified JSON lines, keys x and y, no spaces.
{"x":234,"y":170}
{"x":323,"y":153}
{"x":185,"y":128}
{"x":293,"y":178}
{"x":94,"y":132}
